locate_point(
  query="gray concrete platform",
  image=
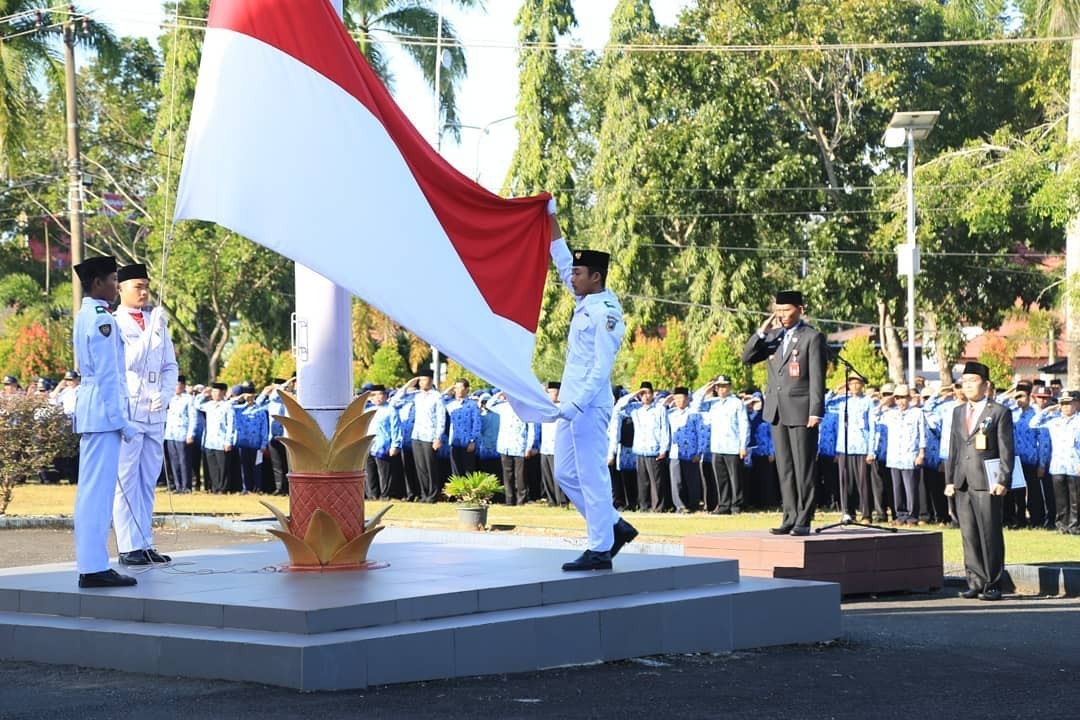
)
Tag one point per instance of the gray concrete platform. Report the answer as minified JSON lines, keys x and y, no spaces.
{"x":437,"y":611}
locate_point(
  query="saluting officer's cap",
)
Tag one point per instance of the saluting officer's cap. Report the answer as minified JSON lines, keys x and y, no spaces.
{"x":554,"y":385}
{"x":135,"y":271}
{"x":591,"y":258}
{"x":426,"y":372}
{"x":43,"y":383}
{"x":247,"y":387}
{"x":976,"y":368}
{"x":723,"y":380}
{"x":1023,"y":387}
{"x":789,"y":297}
{"x":220,"y":386}
{"x":377,"y":388}
{"x":888,"y":389}
{"x":1069,"y":396}
{"x":646,"y":385}
{"x":484,"y":397}
{"x":681,"y":390}
{"x":71,"y":375}
{"x":94,"y":267}
{"x":1040,"y":391}
{"x":10,"y":380}
{"x":901,"y":390}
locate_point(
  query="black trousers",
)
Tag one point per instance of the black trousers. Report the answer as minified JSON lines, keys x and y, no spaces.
{"x":765,"y":483}
{"x":650,"y":484}
{"x":623,"y":488}
{"x":855,"y":485}
{"x":250,"y":477}
{"x":880,"y":487}
{"x":552,"y":492}
{"x":980,"y":518}
{"x":685,"y":484}
{"x":462,"y":460}
{"x":1067,"y":500}
{"x":796,"y":446}
{"x":515,"y":487}
{"x":217,"y":471}
{"x":279,"y":468}
{"x":1036,"y":503}
{"x":905,"y":494}
{"x":729,"y":488}
{"x":412,"y":480}
{"x":933,"y":505}
{"x":827,"y":482}
{"x":197,"y":462}
{"x":427,"y":469}
{"x":179,"y":466}
{"x":1014,"y":511}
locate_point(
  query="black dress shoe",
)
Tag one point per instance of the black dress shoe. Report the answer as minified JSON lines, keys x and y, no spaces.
{"x":991,"y":594}
{"x":590,"y":560}
{"x":156,"y":557}
{"x":624,"y":533}
{"x":782,"y":530}
{"x":135,"y":557}
{"x":970,"y":594}
{"x":105,"y":578}
{"x":800,"y":530}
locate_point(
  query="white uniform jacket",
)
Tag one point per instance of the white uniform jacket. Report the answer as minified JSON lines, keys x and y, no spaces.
{"x":150,"y":364}
{"x":101,"y":404}
{"x":596,"y":331}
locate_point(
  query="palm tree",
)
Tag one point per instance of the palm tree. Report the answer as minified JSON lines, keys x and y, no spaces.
{"x":1061,"y":18}
{"x":30,"y":48}
{"x":414,"y":19}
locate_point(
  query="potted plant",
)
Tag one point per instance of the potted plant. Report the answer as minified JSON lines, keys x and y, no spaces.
{"x":473,"y":493}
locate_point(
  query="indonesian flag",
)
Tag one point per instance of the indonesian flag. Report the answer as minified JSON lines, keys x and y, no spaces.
{"x":295,"y":144}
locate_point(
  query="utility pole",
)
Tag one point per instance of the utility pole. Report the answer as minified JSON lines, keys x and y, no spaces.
{"x":73,"y":28}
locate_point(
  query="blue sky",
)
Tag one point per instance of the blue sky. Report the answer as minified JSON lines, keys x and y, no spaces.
{"x":490,"y":93}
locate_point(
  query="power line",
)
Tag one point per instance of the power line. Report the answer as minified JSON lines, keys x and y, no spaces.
{"x":832,"y":251}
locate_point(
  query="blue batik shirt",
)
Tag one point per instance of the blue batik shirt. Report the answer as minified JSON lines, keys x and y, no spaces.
{"x":944,"y":411}
{"x":763,"y":444}
{"x":220,"y":426}
{"x":856,"y":409}
{"x":932,"y":453}
{"x":386,"y":426}
{"x":516,"y":437}
{"x":623,"y":456}
{"x":828,"y":429}
{"x":180,"y":419}
{"x":488,"y":446}
{"x":729,"y":427}
{"x":907,"y":437}
{"x":1064,"y":441}
{"x":1025,"y":437}
{"x":879,"y":432}
{"x":688,"y":434}
{"x":252,"y":426}
{"x":652,"y":434}
{"x":429,"y":413}
{"x":464,"y":421}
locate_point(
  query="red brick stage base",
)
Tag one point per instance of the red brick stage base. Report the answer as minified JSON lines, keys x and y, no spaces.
{"x":861,"y":560}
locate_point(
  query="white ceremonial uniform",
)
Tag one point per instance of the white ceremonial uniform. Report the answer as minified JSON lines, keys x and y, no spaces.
{"x":581,"y":444}
{"x":101,"y":419}
{"x":150,"y":363}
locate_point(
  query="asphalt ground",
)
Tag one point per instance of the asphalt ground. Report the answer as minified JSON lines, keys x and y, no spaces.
{"x":903,"y":656}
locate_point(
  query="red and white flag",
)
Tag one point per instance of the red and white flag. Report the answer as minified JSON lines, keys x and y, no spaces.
{"x":295,"y":144}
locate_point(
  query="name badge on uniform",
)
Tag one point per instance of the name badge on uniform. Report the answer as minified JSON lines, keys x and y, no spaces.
{"x":980,"y":440}
{"x":793,"y":368}
{"x":152,"y":377}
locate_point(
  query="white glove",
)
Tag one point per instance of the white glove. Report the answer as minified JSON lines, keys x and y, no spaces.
{"x":157,"y":319}
{"x":551,"y":207}
{"x":155,"y":402}
{"x":129,"y":432}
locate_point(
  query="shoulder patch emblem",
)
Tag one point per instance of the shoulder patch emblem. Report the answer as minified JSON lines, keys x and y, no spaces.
{"x":612,"y":321}
{"x":100,"y":309}
{"x":106,"y":329}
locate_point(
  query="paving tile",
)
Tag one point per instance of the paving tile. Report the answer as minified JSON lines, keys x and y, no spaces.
{"x":244,"y":661}
{"x":510,"y":596}
{"x":338,"y":666}
{"x":108,"y":607}
{"x":49,"y":603}
{"x":701,"y":624}
{"x":786,"y":615}
{"x":184,"y":613}
{"x":248,"y":617}
{"x":348,"y":617}
{"x":7,"y":635}
{"x":506,"y":646}
{"x":631,"y":631}
{"x":9,"y":600}
{"x":568,"y":639}
{"x":38,"y":643}
{"x":410,"y":657}
{"x":436,"y":606}
{"x":129,"y":652}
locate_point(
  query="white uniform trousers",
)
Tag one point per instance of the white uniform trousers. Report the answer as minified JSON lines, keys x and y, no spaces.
{"x":581,"y":470}
{"x":141,"y":460}
{"x":98,"y":456}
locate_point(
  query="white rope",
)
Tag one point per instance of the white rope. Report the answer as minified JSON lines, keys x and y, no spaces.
{"x":169,"y":200}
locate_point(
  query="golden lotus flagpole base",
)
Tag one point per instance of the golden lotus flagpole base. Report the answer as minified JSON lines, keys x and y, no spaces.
{"x":326,"y":527}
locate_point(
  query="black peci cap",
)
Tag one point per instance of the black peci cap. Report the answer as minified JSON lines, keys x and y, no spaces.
{"x":681,"y":390}
{"x":976,"y":368}
{"x":135,"y":271}
{"x":592,"y":258}
{"x":554,"y":385}
{"x":220,"y":386}
{"x":646,"y":385}
{"x":95,"y":267}
{"x":789,"y":297}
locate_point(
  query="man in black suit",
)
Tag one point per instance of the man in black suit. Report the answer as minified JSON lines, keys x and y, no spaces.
{"x":981,"y":430}
{"x":794,"y":353}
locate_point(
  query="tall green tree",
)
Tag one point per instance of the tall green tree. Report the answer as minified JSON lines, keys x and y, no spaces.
{"x":370,"y":19}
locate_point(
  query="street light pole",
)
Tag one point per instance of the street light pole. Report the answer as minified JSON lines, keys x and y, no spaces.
{"x":904,"y":129}
{"x":435,"y":363}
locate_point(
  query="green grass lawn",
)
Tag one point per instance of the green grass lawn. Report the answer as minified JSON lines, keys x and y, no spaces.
{"x":1021,"y":546}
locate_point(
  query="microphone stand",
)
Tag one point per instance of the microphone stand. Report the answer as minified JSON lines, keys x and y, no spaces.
{"x":846,"y":521}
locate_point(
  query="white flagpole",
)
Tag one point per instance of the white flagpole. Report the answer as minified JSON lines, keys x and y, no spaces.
{"x":322,"y":343}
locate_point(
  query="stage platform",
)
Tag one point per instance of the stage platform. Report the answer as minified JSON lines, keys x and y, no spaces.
{"x":436,"y":611}
{"x":861,"y":560}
